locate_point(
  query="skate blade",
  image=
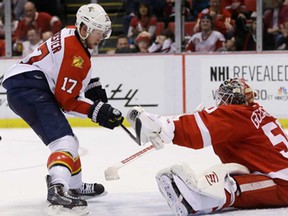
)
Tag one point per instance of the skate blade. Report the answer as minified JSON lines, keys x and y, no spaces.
{"x":59,"y":210}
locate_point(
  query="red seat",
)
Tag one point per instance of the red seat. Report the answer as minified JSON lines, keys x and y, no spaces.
{"x":171,"y":26}
{"x":159,"y":28}
{"x":250,"y":5}
{"x":188,"y":27}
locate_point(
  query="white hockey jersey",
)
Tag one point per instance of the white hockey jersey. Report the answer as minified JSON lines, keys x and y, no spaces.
{"x":67,"y":67}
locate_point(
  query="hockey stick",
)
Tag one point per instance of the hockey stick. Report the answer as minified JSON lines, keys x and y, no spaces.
{"x":138,"y":126}
{"x":111,"y":173}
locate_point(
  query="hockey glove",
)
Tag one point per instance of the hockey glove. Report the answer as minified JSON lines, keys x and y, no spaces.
{"x":94,"y":91}
{"x":154,"y":128}
{"x":105,"y":115}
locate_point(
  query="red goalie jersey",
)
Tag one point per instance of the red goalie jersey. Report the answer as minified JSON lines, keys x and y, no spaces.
{"x":247,"y":135}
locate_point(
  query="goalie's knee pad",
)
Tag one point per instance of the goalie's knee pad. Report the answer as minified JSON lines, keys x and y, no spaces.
{"x":205,"y":193}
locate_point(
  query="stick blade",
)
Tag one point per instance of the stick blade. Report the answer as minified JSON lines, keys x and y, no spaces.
{"x":111,"y":173}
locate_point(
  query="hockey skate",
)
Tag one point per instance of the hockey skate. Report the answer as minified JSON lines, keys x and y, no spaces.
{"x":64,"y":203}
{"x":175,"y":200}
{"x":89,"y":191}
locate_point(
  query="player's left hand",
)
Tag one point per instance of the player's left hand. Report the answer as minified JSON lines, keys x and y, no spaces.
{"x":106,"y":115}
{"x":94,"y":91}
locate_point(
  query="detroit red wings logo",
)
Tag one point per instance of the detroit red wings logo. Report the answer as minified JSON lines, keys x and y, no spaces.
{"x":212,"y":178}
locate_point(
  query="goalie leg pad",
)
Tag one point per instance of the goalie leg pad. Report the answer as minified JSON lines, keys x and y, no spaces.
{"x":207,"y":192}
{"x":173,"y":197}
{"x":211,"y":182}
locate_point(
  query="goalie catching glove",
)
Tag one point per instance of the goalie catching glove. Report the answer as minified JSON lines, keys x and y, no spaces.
{"x":94,"y":91}
{"x":154,"y":128}
{"x":105,"y":115}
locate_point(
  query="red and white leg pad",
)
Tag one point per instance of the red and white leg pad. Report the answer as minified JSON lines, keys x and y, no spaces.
{"x":204,"y":193}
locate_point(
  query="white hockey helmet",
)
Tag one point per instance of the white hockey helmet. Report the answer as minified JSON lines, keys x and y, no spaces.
{"x":94,"y":17}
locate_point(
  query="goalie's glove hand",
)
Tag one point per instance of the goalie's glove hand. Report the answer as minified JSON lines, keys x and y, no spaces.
{"x":94,"y":91}
{"x":105,"y":115}
{"x":158,"y":130}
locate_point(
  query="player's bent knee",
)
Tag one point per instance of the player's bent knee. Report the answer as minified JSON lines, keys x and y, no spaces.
{"x":67,"y":144}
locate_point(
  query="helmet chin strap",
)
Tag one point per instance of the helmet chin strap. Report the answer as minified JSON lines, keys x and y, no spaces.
{"x":83,"y":39}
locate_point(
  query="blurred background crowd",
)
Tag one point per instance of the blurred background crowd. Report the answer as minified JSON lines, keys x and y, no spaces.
{"x":148,"y":26}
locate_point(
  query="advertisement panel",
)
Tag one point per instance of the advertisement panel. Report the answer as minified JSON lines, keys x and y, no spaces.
{"x":153,"y":82}
{"x":267,"y":74}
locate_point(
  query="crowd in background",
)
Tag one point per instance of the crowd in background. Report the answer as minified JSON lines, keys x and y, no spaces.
{"x":149,"y":25}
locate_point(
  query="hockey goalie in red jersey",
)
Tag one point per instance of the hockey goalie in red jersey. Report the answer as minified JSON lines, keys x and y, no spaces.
{"x":56,"y":77}
{"x":250,"y":142}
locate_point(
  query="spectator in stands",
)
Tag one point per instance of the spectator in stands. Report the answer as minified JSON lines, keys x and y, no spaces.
{"x":132,"y":6}
{"x":142,"y":42}
{"x":249,"y":41}
{"x":229,"y":45}
{"x":283,"y":43}
{"x":46,"y":35}
{"x":34,"y":40}
{"x":239,"y":15}
{"x":17,"y":7}
{"x":208,"y":40}
{"x":197,"y":7}
{"x":41,"y":21}
{"x":169,"y":12}
{"x":274,"y":18}
{"x":122,"y":46}
{"x":14,"y":24}
{"x":143,"y":21}
{"x":164,"y":43}
{"x":222,"y":20}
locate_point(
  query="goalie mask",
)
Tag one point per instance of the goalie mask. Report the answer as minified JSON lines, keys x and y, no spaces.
{"x":95,"y":18}
{"x":234,"y":91}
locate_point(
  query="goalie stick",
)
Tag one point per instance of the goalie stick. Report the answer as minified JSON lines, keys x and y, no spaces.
{"x":111,"y":173}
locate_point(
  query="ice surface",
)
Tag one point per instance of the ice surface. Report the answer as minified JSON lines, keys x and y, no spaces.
{"x":23,"y":168}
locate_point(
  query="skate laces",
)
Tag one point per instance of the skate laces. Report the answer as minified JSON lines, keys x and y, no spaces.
{"x":86,"y":188}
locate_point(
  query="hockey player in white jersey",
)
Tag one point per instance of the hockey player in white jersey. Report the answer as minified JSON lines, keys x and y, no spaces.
{"x":56,"y":77}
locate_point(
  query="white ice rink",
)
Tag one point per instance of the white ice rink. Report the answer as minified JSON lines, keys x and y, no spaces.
{"x":23,"y":168}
